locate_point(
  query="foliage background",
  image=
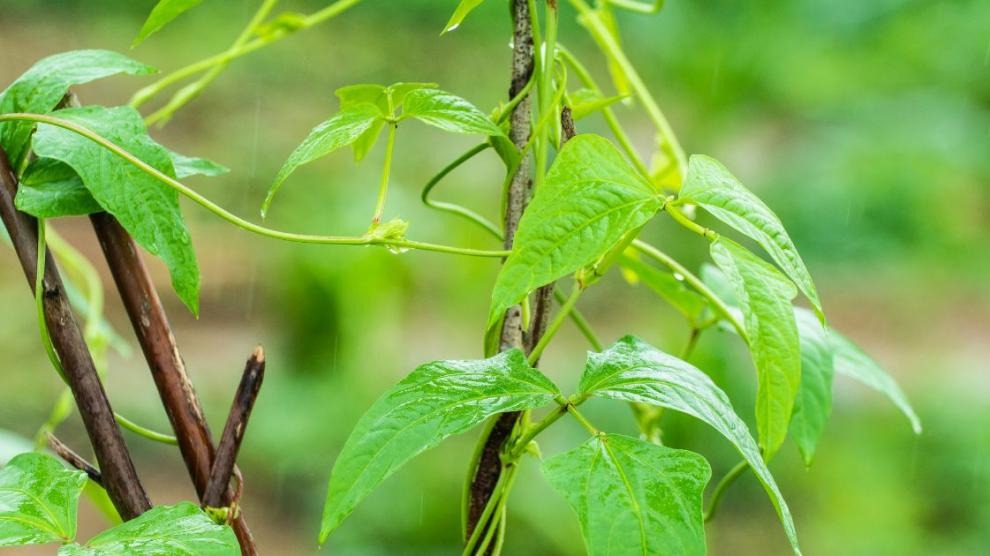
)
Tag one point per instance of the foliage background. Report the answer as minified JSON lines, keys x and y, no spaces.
{"x":865,"y":125}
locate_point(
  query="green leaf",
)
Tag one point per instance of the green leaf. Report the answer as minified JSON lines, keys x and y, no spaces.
{"x":180,"y":530}
{"x":342,"y":129}
{"x":851,"y":361}
{"x":50,"y":189}
{"x":161,"y":15}
{"x":437,"y":400}
{"x":632,"y":370}
{"x":388,"y":99}
{"x":710,"y":185}
{"x":186,"y":166}
{"x":146,"y":208}
{"x":765,"y":296}
{"x":585,"y":102}
{"x":591,"y":199}
{"x":463,"y":9}
{"x":38,"y":500}
{"x":447,"y":112}
{"x":41,"y":88}
{"x":669,"y":288}
{"x":633,"y":497}
{"x":813,"y":404}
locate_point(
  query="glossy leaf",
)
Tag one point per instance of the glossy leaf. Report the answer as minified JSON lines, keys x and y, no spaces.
{"x":591,"y":199}
{"x":161,"y":15}
{"x":463,"y":9}
{"x":764,"y":296}
{"x":50,"y":189}
{"x":437,"y":400}
{"x":668,"y":287}
{"x":632,"y":370}
{"x":447,"y":112}
{"x":41,"y":88}
{"x":342,"y":129}
{"x":710,"y":185}
{"x":813,"y":404}
{"x":180,"y":530}
{"x":633,"y":497}
{"x":38,"y":500}
{"x":146,"y":208}
{"x":851,"y":361}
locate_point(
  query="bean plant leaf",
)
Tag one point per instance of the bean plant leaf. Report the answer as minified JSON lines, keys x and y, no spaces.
{"x":463,"y":9}
{"x":692,"y":305}
{"x":853,"y":362}
{"x":50,"y":189}
{"x":38,"y":500}
{"x":447,"y":112}
{"x":145,"y":207}
{"x":709,"y":184}
{"x":632,"y":370}
{"x":589,"y":202}
{"x":186,"y":166}
{"x":813,"y":404}
{"x":388,"y":99}
{"x":161,"y":15}
{"x":41,"y":88}
{"x":765,"y":296}
{"x":584,"y":102}
{"x":436,"y":400}
{"x":342,"y":129}
{"x":633,"y":497}
{"x":180,"y":530}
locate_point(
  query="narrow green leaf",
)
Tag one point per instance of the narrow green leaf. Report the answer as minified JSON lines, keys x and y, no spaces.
{"x":633,"y":497}
{"x":186,"y":166}
{"x":710,"y":185}
{"x":180,"y":530}
{"x":851,"y":361}
{"x":50,"y":189}
{"x":41,"y":88}
{"x":463,"y":9}
{"x":38,"y":500}
{"x":342,"y":129}
{"x":437,"y":400}
{"x":632,"y":370}
{"x":146,"y":208}
{"x":585,"y":102}
{"x":591,"y":199}
{"x":765,"y":296}
{"x":161,"y":15}
{"x":447,"y":112}
{"x":813,"y":404}
{"x":669,"y":288}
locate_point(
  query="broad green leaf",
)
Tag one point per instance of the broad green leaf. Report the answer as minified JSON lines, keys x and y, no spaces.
{"x":765,"y":296}
{"x":50,"y":189}
{"x":671,"y":289}
{"x":632,"y":370}
{"x":633,"y":497}
{"x":591,"y":199}
{"x":585,"y":102}
{"x":389,"y":98}
{"x":437,"y":400}
{"x":38,"y":500}
{"x":851,"y":361}
{"x":363,"y":144}
{"x":447,"y":112}
{"x":342,"y":129}
{"x":813,"y":404}
{"x":186,"y":166}
{"x":180,"y":530}
{"x":145,"y":207}
{"x":710,"y":185}
{"x":463,"y":9}
{"x":161,"y":15}
{"x":41,"y":88}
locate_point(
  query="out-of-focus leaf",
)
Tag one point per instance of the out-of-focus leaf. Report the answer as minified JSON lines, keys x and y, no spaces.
{"x":671,"y":289}
{"x":38,"y":500}
{"x":585,"y":102}
{"x":463,"y":9}
{"x":813,"y":404}
{"x":161,"y":15}
{"x":186,"y":166}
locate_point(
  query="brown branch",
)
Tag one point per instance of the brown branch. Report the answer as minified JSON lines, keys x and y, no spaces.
{"x":74,"y":459}
{"x":233,"y":432}
{"x":119,"y":476}
{"x":144,"y":308}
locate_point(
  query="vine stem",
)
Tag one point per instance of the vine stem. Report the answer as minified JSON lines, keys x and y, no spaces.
{"x":722,"y":486}
{"x":234,"y":219}
{"x":554,"y":326}
{"x":386,"y":172}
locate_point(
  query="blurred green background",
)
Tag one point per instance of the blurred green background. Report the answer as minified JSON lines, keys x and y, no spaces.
{"x":865,"y":125}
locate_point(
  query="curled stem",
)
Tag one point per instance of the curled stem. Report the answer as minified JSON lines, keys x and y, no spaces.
{"x":722,"y":486}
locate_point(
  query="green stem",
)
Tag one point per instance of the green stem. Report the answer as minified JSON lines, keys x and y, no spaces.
{"x":721,"y":487}
{"x":720,"y":307}
{"x":580,"y":322}
{"x":386,"y":172}
{"x":504,"y":479}
{"x":683,"y":220}
{"x":455,"y":209}
{"x":532,"y":431}
{"x":638,"y":7}
{"x":558,"y":319}
{"x":236,"y":220}
{"x":39,"y":301}
{"x":691,"y":343}
{"x":144,"y":431}
{"x":149,"y":92}
{"x":583,"y":420}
